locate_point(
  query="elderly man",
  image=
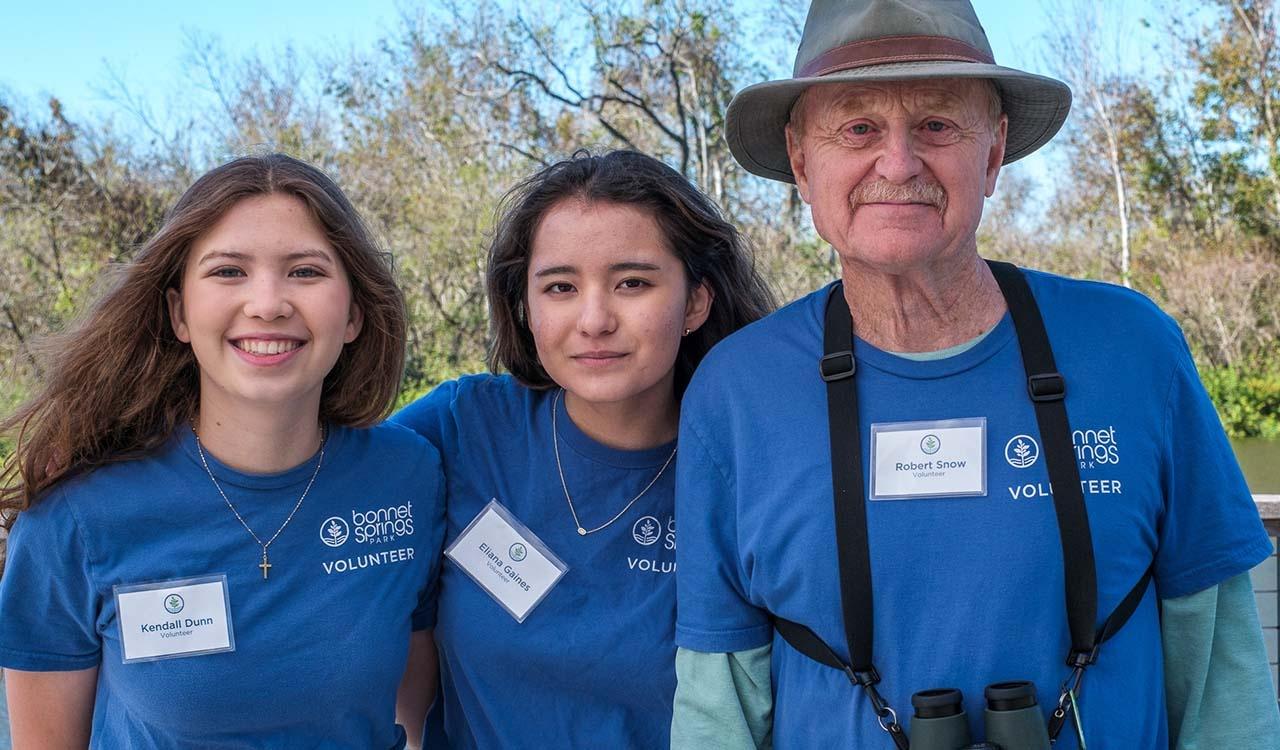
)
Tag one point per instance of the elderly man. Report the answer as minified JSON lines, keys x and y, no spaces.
{"x":942,"y":473}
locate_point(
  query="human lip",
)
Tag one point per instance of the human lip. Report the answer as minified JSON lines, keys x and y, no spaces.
{"x":598,"y":358}
{"x":266,"y":349}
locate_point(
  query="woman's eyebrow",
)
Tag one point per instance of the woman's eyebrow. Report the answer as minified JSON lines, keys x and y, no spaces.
{"x":238,"y":255}
{"x":628,"y":265}
{"x":634,"y":265}
{"x":555,"y":271}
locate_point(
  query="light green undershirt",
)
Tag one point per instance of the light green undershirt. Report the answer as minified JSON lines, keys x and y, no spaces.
{"x":1217,"y":682}
{"x":950,"y":351}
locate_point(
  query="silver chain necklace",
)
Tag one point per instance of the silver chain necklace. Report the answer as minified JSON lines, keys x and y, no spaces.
{"x":265,"y":565}
{"x":555,"y":442}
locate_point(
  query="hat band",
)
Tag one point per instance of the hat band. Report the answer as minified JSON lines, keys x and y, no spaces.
{"x":893,"y":49}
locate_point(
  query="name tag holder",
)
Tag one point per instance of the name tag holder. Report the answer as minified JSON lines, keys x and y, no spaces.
{"x":942,"y":458}
{"x":506,"y":560}
{"x":174,"y":619}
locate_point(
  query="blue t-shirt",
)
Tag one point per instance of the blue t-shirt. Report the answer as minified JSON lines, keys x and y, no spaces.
{"x":968,"y":590}
{"x":320,"y":645}
{"x":593,"y":665}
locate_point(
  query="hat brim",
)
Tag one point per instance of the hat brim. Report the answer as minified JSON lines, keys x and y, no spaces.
{"x":756,"y":120}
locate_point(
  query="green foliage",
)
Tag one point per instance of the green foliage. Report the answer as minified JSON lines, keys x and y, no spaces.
{"x":1247,"y":397}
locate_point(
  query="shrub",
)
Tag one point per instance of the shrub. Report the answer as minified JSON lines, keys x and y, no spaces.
{"x":1247,"y":397}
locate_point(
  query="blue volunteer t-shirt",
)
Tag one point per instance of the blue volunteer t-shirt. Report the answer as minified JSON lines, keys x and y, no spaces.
{"x":968,"y":589}
{"x":593,"y":665}
{"x":320,"y":645}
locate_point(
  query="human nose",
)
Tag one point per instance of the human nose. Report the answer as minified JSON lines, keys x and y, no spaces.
{"x":596,"y":316}
{"x":268,"y":300}
{"x":898,"y":162}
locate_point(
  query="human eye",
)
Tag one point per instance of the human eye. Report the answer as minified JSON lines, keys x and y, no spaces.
{"x":226,"y":272}
{"x":939,"y":130}
{"x":559,"y":287}
{"x":859,"y":129}
{"x":306,"y":272}
{"x":634,"y":283}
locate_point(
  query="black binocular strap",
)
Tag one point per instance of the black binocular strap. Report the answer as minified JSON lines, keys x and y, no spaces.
{"x":1047,"y":390}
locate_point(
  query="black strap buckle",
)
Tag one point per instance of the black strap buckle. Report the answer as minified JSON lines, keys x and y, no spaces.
{"x":1082,"y":659}
{"x":836,"y":366}
{"x":866,"y":678}
{"x":1047,"y":387}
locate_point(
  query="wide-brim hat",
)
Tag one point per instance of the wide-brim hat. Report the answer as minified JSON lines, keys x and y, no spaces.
{"x":860,"y":41}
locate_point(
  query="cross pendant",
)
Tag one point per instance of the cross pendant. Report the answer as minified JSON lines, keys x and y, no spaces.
{"x":264,"y":565}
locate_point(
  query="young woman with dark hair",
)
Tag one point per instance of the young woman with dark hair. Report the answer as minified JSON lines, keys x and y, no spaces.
{"x":208,"y":547}
{"x":609,"y":277}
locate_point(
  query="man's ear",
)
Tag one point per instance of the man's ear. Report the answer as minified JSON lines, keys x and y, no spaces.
{"x":795,"y":154}
{"x":996,"y":155}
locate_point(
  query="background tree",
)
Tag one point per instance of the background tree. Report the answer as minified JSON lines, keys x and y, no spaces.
{"x":1169,"y":181}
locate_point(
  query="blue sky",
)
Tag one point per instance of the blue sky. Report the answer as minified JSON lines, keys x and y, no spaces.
{"x":65,"y":47}
{"x":59,"y":47}
{"x":62,"y":47}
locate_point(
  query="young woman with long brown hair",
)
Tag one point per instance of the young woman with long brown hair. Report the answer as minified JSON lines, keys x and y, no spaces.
{"x":609,"y":278}
{"x":210,"y":544}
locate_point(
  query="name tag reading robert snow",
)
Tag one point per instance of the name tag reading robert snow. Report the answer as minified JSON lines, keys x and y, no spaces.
{"x":184,"y":617}
{"x":507,"y":560}
{"x":947,"y":458}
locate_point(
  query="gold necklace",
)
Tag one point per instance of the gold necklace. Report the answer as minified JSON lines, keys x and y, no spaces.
{"x":265,"y":565}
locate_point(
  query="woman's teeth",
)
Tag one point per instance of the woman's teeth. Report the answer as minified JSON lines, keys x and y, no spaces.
{"x":275,"y":346}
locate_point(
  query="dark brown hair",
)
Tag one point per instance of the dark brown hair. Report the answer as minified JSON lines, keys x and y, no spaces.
{"x":708,"y":246}
{"x":119,"y":381}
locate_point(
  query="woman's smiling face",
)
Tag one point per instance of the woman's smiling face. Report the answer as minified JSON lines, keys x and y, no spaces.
{"x":608,"y":301}
{"x":266,"y":306}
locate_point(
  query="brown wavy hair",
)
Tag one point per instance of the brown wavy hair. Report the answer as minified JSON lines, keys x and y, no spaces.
{"x":708,"y":246}
{"x":119,"y":381}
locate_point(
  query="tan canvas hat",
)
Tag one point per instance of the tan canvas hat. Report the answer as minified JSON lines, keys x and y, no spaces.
{"x":889,"y":40}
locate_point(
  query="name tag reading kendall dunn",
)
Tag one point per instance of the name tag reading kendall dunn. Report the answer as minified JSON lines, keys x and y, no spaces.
{"x":169,"y":619}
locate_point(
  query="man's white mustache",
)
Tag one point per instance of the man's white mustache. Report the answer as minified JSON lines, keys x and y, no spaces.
{"x":915,"y":191}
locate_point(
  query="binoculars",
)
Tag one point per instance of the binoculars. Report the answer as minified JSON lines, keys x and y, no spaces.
{"x":1013,"y":719}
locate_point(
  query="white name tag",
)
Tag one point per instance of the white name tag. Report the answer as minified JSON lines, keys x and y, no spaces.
{"x":507,"y":560}
{"x":168,"y":619}
{"x":947,"y":458}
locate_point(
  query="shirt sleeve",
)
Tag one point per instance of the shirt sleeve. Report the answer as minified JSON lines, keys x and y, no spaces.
{"x":49,"y":604}
{"x":723,"y":701}
{"x":1210,"y":530}
{"x":1217,"y":684}
{"x":713,"y":610}
{"x":432,"y":417}
{"x":430,"y":476}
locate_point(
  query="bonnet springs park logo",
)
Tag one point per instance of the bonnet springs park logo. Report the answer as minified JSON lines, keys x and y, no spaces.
{"x":334,"y":532}
{"x":1021,"y":451}
{"x":377,"y":526}
{"x":173,"y":604}
{"x":647,"y":532}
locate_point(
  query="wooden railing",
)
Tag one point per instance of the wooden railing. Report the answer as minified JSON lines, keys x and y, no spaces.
{"x":1269,"y":509}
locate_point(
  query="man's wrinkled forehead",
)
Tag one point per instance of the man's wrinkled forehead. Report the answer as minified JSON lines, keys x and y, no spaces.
{"x":954,"y":97}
